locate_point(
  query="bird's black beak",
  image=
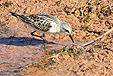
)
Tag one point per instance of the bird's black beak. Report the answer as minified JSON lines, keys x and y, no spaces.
{"x":71,"y":38}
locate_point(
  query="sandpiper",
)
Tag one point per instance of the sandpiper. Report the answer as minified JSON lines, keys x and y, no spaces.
{"x":45,"y":24}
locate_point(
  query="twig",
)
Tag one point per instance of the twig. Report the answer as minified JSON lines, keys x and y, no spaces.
{"x":97,"y":38}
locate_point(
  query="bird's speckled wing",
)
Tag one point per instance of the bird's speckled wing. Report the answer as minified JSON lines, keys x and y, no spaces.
{"x":40,"y":22}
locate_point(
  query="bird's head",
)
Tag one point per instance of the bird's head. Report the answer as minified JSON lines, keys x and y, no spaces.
{"x":66,"y":28}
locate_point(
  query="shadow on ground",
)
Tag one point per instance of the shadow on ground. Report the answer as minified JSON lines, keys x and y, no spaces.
{"x":22,"y":41}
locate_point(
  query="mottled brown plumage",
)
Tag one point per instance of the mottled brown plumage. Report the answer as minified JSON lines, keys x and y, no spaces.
{"x":45,"y":23}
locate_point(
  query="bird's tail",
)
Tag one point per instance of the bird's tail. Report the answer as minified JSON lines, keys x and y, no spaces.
{"x":20,"y":17}
{"x":14,"y":14}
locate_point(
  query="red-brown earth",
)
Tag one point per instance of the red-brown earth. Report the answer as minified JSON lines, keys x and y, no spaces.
{"x":19,"y":56}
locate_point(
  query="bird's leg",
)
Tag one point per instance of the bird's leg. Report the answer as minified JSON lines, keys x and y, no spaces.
{"x":32,"y":35}
{"x":44,"y":39}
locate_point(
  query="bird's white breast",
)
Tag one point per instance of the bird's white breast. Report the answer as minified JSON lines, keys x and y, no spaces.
{"x":55,"y":28}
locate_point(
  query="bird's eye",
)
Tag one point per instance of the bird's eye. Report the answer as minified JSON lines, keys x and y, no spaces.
{"x":66,"y":30}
